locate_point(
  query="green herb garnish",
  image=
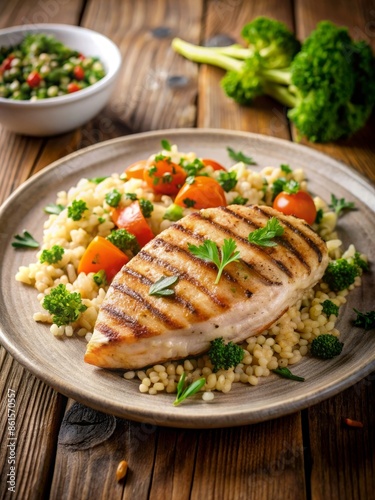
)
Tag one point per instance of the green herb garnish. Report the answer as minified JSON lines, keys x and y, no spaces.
{"x":25,"y":241}
{"x":286,"y":373}
{"x":53,"y":255}
{"x":338,"y":205}
{"x":227,"y":180}
{"x":76,"y":209}
{"x":146,"y":207}
{"x":52,"y":208}
{"x":113,"y":198}
{"x":192,"y":168}
{"x":131,"y":196}
{"x":264,"y":235}
{"x":239,"y":200}
{"x":165,"y":144}
{"x":161,"y":286}
{"x":186,"y":392}
{"x":286,"y":169}
{"x":189,"y":203}
{"x":98,"y":180}
{"x":365,"y":320}
{"x":239,"y":156}
{"x":319,"y":216}
{"x":124,"y":240}
{"x":210,"y":253}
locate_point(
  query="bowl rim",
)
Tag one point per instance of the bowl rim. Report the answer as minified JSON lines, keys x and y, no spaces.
{"x":75,"y":96}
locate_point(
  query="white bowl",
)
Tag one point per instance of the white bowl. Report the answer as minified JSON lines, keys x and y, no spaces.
{"x":56,"y":115}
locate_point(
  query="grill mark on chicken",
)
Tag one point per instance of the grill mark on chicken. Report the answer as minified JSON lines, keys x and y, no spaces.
{"x":281,"y":241}
{"x":263,"y":279}
{"x":182,"y":275}
{"x":124,"y":289}
{"x":146,"y":281}
{"x":130,"y":322}
{"x":296,"y":230}
{"x":107,"y":331}
{"x":234,"y":236}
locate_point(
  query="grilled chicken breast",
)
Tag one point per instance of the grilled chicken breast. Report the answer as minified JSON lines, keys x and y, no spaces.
{"x":135,"y":329}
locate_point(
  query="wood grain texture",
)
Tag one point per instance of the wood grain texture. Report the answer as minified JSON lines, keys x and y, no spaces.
{"x":358,"y":150}
{"x":150,"y":94}
{"x":343,"y":457}
{"x":91,"y":445}
{"x":216,"y":110}
{"x":38,"y":411}
{"x":262,"y":461}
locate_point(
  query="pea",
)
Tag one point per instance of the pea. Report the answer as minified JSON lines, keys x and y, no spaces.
{"x":41,"y":93}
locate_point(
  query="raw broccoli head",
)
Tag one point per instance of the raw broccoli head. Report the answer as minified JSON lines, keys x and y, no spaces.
{"x":224,"y":356}
{"x":326,"y":346}
{"x":245,"y":85}
{"x":272,"y":40}
{"x":335,"y":82}
{"x":340,"y":274}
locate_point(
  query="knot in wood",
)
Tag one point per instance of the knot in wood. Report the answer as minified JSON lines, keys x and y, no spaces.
{"x":84,"y":428}
{"x":220,"y":40}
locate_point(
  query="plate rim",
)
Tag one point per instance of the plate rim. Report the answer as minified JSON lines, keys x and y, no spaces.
{"x":174,"y":419}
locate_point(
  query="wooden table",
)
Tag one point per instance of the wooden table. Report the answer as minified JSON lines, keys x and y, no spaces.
{"x":64,"y":454}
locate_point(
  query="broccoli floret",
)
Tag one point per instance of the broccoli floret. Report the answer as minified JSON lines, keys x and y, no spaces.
{"x":53,"y":255}
{"x":224,"y":356}
{"x":64,"y":307}
{"x":326,"y":346}
{"x":329,"y":84}
{"x":330,"y":308}
{"x":340,"y":274}
{"x":360,"y":262}
{"x":76,"y":209}
{"x":124,"y":240}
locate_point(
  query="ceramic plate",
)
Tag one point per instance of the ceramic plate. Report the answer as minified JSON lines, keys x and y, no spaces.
{"x":60,"y":364}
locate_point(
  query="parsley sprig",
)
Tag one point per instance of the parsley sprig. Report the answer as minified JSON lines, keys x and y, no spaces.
{"x":264,"y":235}
{"x":165,"y":144}
{"x":338,"y":205}
{"x":240,"y":156}
{"x":184,"y":392}
{"x":210,"y":253}
{"x":365,"y":320}
{"x":161,"y":287}
{"x":24,"y":241}
{"x":52,"y":208}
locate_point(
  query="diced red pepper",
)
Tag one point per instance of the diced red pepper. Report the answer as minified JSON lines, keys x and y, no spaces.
{"x":79,"y":73}
{"x":73,"y":87}
{"x":34,"y":79}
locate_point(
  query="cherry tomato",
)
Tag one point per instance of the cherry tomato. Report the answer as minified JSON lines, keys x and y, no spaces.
{"x":7,"y":63}
{"x":79,"y":72}
{"x":102,"y":254}
{"x":131,"y":219}
{"x":34,"y":79}
{"x":136,"y":170}
{"x":212,"y":163}
{"x":164,"y":176}
{"x":299,"y":204}
{"x":203,"y":192}
{"x":73,"y":87}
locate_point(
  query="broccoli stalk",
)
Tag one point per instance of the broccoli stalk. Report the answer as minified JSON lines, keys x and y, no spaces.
{"x":329,"y":84}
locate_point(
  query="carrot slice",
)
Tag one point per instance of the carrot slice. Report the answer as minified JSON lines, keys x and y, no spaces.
{"x":102,"y":254}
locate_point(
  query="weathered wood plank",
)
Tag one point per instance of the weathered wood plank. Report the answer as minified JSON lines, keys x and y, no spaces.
{"x":91,"y":445}
{"x":260,"y":461}
{"x":346,"y":468}
{"x":359,"y":150}
{"x":38,"y":413}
